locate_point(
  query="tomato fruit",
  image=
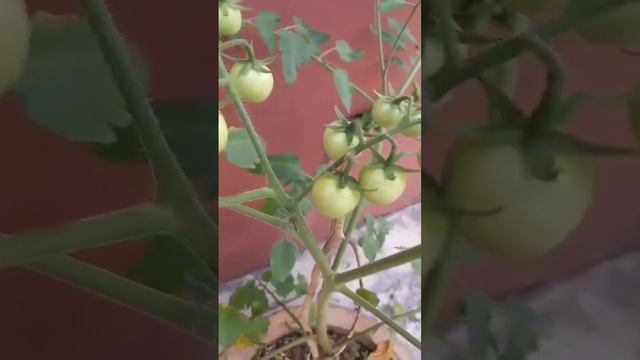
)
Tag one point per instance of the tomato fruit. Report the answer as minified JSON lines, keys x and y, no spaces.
{"x":254,"y":85}
{"x":336,"y":142}
{"x":229,"y":20}
{"x":619,"y":27}
{"x":414,"y":131}
{"x":387,"y":114}
{"x":378,"y":188}
{"x":330,"y":200}
{"x":534,"y":7}
{"x":14,"y":42}
{"x":223,"y":133}
{"x":436,"y":230}
{"x":534,"y":215}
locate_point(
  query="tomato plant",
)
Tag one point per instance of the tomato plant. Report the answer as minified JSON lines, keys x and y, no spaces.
{"x":254,"y":83}
{"x":14,"y":42}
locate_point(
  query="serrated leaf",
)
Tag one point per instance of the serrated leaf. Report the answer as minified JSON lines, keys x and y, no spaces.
{"x":289,"y":57}
{"x":284,"y":287}
{"x":164,"y":268}
{"x":347,"y":53}
{"x":302,"y":286}
{"x":388,"y":38}
{"x":477,"y":309}
{"x":267,"y":23}
{"x":230,"y":325}
{"x":313,"y":39}
{"x":287,"y":169}
{"x":283,"y":259}
{"x":67,"y":85}
{"x":388,"y":6}
{"x":406,"y":34}
{"x":240,"y":151}
{"x":370,"y":296}
{"x":250,"y":297}
{"x":341,"y":80}
{"x":373,"y":240}
{"x":633,"y":106}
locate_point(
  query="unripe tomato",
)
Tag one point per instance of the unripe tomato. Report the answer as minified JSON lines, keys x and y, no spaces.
{"x":330,"y":200}
{"x":229,"y":20}
{"x":534,"y":215}
{"x":619,"y":27}
{"x":433,"y":57}
{"x":414,"y":131}
{"x":378,"y":188}
{"x":336,"y":142}
{"x":387,"y":114}
{"x":223,"y":133}
{"x":14,"y":42}
{"x":255,"y":85}
{"x":436,"y":230}
{"x":534,"y":7}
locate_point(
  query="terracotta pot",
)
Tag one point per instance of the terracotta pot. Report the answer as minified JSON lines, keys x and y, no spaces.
{"x":337,"y":317}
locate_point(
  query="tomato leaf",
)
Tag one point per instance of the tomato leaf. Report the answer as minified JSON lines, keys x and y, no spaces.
{"x":67,"y":85}
{"x":388,"y":6}
{"x":240,"y":149}
{"x":633,"y":106}
{"x":312,"y":40}
{"x":249,"y":296}
{"x":267,"y":24}
{"x":373,"y":240}
{"x":288,"y":54}
{"x":347,"y":53}
{"x":406,"y":34}
{"x":477,"y":310}
{"x":302,"y":286}
{"x":283,"y":259}
{"x":255,"y":328}
{"x":370,"y":296}
{"x":287,"y":169}
{"x":231,"y":325}
{"x":285,"y":287}
{"x":388,"y":38}
{"x":341,"y":80}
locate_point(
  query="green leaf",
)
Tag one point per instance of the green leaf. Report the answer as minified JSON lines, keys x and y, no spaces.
{"x":477,"y":309}
{"x":312,"y":40}
{"x":370,"y":296}
{"x":347,"y":53}
{"x":67,"y":86}
{"x":406,"y":35}
{"x":240,"y":150}
{"x":230,"y":325}
{"x":633,"y":106}
{"x":288,"y":54}
{"x":283,"y":259}
{"x":388,"y":6}
{"x":373,"y":240}
{"x":250,"y":297}
{"x":164,"y":268}
{"x":284,"y":287}
{"x":388,"y":38}
{"x":267,"y":24}
{"x":287,"y":169}
{"x":302,"y":287}
{"x":341,"y":80}
{"x":255,"y":328}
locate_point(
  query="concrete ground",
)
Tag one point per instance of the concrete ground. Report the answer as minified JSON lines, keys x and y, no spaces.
{"x":594,"y":316}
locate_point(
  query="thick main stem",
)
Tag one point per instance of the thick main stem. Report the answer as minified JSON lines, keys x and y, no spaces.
{"x":173,"y":185}
{"x":377,"y":266}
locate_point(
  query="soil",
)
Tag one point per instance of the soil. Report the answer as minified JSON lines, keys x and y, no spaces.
{"x":356,"y":350}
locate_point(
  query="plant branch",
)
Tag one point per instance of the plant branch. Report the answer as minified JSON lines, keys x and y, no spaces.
{"x":262,"y":217}
{"x":281,"y":304}
{"x":353,"y":220}
{"x":174,"y":311}
{"x":447,"y":79}
{"x":373,"y":328}
{"x":385,"y":85}
{"x":377,"y":266}
{"x":396,"y":44}
{"x":173,"y":185}
{"x":248,"y":196}
{"x":414,"y":71}
{"x":113,"y":227}
{"x":380,"y":315}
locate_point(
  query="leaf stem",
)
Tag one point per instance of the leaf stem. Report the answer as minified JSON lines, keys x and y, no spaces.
{"x":327,"y":65}
{"x":385,"y":85}
{"x":248,"y":196}
{"x":396,"y":43}
{"x":260,"y":216}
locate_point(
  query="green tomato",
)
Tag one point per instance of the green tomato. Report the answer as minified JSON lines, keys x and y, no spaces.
{"x":386,"y":114}
{"x":14,"y":42}
{"x":379,"y":189}
{"x":229,"y":20}
{"x":619,"y":27}
{"x":436,"y":230}
{"x":254,"y":85}
{"x":223,"y":133}
{"x":336,"y":143}
{"x":330,"y":200}
{"x":534,"y":217}
{"x":534,"y":7}
{"x":414,"y":131}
